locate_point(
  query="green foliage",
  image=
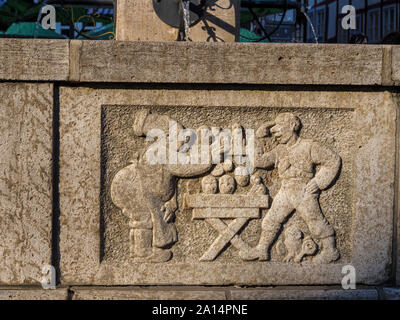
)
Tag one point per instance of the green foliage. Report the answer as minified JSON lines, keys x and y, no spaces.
{"x":14,"y":11}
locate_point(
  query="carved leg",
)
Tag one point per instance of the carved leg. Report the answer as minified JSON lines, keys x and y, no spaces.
{"x":160,"y":255}
{"x":320,"y":229}
{"x":270,"y":226}
{"x":220,"y":242}
{"x":236,"y":241}
{"x":141,"y":247}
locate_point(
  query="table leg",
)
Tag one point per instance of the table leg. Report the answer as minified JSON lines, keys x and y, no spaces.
{"x":224,"y":237}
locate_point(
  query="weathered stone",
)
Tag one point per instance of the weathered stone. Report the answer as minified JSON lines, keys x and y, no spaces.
{"x":27,"y":59}
{"x":25,"y":181}
{"x":391,"y":293}
{"x":33,"y":294}
{"x":101,"y":189}
{"x":155,"y":293}
{"x":246,"y":63}
{"x":304,"y":294}
{"x":140,"y":22}
{"x":396,"y":64}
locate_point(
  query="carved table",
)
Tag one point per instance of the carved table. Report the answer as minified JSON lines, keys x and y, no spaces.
{"x":215,"y":207}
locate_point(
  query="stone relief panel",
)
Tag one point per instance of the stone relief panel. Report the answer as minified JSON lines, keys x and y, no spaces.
{"x":292,"y":205}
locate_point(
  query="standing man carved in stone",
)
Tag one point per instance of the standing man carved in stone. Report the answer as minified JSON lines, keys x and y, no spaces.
{"x":295,"y":159}
{"x":146,"y":193}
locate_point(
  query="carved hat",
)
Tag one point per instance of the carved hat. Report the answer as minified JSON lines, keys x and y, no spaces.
{"x":138,"y":124}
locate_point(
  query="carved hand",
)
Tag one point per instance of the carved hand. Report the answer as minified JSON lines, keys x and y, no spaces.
{"x":169,"y":209}
{"x":312,"y":187}
{"x":263,"y":131}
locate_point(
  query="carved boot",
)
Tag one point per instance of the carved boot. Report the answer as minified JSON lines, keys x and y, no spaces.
{"x":261,"y":251}
{"x":160,"y":255}
{"x":328,"y":253}
{"x":140,"y":244}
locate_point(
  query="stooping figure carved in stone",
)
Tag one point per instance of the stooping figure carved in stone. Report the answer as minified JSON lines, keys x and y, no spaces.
{"x":146,"y":193}
{"x":295,"y":160}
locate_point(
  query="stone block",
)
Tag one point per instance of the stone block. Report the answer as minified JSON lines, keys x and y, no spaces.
{"x":25,"y":181}
{"x":155,"y":293}
{"x":117,"y":221}
{"x":220,"y":22}
{"x":304,"y":294}
{"x":33,"y":294}
{"x":391,"y":293}
{"x":230,"y":63}
{"x":38,"y":59}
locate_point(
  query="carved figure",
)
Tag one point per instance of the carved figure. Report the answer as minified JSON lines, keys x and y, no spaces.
{"x":242,"y":176}
{"x":295,"y":159}
{"x":308,"y":248}
{"x":292,"y":242}
{"x":146,"y":193}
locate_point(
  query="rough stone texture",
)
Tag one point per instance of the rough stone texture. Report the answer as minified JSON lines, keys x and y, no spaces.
{"x":27,"y":59}
{"x":185,"y":62}
{"x":397,"y":205}
{"x":304,"y":294}
{"x":374,"y":169}
{"x":178,"y":62}
{"x":25,"y":181}
{"x":391,"y":293}
{"x":396,"y":64}
{"x":140,"y":22}
{"x":33,"y":294}
{"x":155,"y":293}
{"x":94,"y":234}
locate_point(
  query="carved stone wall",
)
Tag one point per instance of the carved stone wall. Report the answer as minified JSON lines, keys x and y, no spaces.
{"x":78,"y":193}
{"x":350,"y":205}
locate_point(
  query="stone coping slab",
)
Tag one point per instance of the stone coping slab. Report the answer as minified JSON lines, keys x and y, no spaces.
{"x":33,"y":294}
{"x":154,"y":293}
{"x":34,"y":60}
{"x":179,"y":62}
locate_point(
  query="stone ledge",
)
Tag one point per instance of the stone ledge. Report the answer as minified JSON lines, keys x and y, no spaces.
{"x":31,"y":60}
{"x":173,"y":62}
{"x":391,"y":293}
{"x":33,"y":294}
{"x":154,"y":293}
{"x":304,"y":294}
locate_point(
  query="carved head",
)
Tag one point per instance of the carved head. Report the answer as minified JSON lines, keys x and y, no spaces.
{"x":255,"y":179}
{"x":242,"y":176}
{"x":286,"y":126}
{"x":209,"y":185}
{"x":227,"y":184}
